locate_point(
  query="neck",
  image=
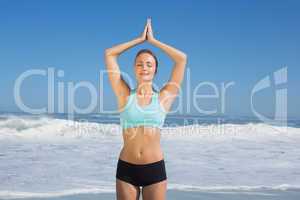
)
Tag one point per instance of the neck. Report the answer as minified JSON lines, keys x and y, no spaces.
{"x":144,"y":89}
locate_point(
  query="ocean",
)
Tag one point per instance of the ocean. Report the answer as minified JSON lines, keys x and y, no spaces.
{"x":54,"y":157}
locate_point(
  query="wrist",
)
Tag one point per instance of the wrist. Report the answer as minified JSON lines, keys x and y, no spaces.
{"x":152,"y":41}
{"x":140,"y":40}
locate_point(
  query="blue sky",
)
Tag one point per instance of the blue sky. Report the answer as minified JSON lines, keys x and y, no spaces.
{"x":226,"y":41}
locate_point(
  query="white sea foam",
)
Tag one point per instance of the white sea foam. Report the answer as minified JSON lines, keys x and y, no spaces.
{"x":46,"y":127}
{"x":20,"y":195}
{"x":26,"y":127}
{"x":45,"y":156}
{"x":233,"y":188}
{"x":97,"y":190}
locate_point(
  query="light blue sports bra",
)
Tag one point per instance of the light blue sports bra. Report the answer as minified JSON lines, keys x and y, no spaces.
{"x":134,"y":115}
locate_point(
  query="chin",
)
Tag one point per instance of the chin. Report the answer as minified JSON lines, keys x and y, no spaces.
{"x":145,"y":79}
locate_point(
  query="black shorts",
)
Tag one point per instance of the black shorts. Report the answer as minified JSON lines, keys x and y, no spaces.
{"x":141,"y":174}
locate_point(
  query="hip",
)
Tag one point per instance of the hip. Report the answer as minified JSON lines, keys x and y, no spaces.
{"x":141,"y":174}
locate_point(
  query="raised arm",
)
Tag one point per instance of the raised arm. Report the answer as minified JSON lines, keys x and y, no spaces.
{"x":119,"y":86}
{"x":172,"y":87}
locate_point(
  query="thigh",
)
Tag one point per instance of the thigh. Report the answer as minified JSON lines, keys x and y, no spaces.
{"x":126,"y":191}
{"x":156,"y":191}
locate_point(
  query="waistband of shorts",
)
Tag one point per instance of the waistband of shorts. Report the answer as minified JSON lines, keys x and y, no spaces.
{"x":141,"y":165}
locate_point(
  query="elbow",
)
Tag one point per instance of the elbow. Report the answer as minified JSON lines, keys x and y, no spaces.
{"x":107,"y":52}
{"x":110,"y":53}
{"x":182,"y":58}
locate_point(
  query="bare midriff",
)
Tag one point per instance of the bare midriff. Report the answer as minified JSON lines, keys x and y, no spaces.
{"x":141,"y":145}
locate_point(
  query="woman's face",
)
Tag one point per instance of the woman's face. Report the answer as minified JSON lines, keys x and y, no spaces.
{"x":145,"y":67}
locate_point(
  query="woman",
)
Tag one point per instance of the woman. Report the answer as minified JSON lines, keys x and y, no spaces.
{"x":142,"y":113}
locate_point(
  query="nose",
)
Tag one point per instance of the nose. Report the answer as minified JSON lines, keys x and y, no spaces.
{"x":144,"y":67}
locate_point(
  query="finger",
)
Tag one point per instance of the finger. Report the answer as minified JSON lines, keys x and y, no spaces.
{"x":147,"y":25}
{"x":146,"y":29}
{"x":150,"y":22}
{"x":150,"y":28}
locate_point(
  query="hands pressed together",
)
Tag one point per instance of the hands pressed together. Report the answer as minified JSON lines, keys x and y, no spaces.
{"x":147,"y":33}
{"x":178,"y":56}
